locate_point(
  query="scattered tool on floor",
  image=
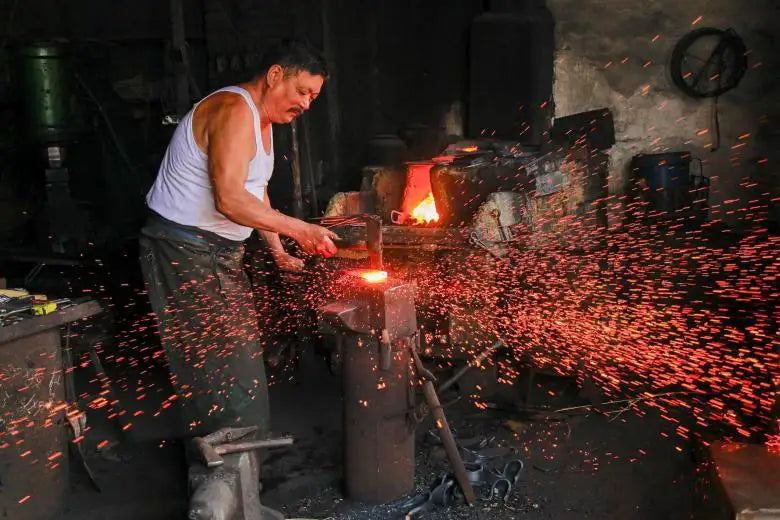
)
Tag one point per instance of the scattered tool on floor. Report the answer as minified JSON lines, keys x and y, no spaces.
{"x":16,"y":302}
{"x":450,"y":446}
{"x":227,"y":488}
{"x":492,"y":475}
{"x":222,"y":442}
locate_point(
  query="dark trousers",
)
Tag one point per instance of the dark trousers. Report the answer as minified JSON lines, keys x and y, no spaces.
{"x":208,"y":325}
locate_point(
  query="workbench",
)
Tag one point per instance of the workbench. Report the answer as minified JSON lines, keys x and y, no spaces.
{"x":33,"y":427}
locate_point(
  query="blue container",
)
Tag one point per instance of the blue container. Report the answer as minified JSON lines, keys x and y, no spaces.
{"x":668,"y":179}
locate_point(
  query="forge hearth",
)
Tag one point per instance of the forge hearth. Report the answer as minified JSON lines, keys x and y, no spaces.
{"x":490,"y":192}
{"x":418,"y":205}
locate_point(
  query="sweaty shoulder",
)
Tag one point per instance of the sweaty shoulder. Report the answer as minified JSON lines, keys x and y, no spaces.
{"x":224,"y":114}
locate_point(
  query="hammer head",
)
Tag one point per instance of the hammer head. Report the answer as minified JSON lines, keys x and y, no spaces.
{"x":205,"y":447}
{"x":207,"y":453}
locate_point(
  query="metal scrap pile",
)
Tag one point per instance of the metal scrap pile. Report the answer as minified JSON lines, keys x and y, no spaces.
{"x":490,"y":470}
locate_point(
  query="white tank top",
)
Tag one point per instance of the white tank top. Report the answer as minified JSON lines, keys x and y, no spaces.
{"x":183,"y":192}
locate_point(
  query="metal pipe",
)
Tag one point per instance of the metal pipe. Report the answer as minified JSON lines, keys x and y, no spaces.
{"x":181,"y":64}
{"x":313,"y":203}
{"x":332,"y":92}
{"x":296,"y":173}
{"x":473,"y":363}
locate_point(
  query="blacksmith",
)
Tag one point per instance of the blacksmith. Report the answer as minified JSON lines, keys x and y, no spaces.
{"x":209,"y":195}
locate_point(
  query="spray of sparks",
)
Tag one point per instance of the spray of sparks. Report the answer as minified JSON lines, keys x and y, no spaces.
{"x":650,"y":312}
{"x":643,"y":309}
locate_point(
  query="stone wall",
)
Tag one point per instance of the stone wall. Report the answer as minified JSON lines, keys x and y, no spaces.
{"x":615,"y":53}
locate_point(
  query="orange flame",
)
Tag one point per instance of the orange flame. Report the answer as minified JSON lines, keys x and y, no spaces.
{"x":426,"y":210}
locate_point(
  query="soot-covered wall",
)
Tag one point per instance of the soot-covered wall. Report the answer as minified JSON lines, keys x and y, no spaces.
{"x":615,"y":53}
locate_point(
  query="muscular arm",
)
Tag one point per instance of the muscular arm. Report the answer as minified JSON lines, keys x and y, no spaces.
{"x":284,"y":260}
{"x":270,"y":236}
{"x":230,"y":148}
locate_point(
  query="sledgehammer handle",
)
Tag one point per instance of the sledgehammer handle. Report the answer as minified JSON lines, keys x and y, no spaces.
{"x":450,"y":446}
{"x":224,"y":449}
{"x":212,"y":455}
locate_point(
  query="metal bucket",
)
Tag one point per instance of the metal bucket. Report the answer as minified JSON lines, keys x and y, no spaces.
{"x":670,"y":185}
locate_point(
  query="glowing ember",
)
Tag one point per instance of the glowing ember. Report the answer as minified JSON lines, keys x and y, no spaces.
{"x":374,"y":276}
{"x":426,"y":211}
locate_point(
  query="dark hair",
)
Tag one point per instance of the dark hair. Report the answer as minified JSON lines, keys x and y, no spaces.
{"x":294,"y":56}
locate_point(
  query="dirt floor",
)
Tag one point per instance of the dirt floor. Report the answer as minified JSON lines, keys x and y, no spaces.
{"x":576,"y":465}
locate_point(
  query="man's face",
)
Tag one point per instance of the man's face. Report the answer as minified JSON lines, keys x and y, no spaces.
{"x":289,"y":96}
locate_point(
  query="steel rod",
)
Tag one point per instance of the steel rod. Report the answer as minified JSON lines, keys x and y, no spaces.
{"x":471,"y":364}
{"x":236,"y":447}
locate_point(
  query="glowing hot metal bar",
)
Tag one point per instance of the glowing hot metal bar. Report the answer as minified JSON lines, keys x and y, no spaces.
{"x":374,"y":276}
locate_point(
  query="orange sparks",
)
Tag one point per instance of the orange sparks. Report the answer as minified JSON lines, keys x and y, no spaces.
{"x":54,"y":456}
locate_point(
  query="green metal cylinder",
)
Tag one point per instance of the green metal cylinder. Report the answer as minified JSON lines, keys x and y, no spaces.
{"x":44,"y":88}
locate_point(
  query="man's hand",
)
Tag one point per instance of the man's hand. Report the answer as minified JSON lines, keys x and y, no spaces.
{"x":315,"y":240}
{"x":289,"y":263}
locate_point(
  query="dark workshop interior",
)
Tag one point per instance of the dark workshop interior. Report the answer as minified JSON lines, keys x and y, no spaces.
{"x":528,"y":268}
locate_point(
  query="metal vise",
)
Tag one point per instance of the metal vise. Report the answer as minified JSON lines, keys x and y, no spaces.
{"x":373,"y":329}
{"x":226,"y":487}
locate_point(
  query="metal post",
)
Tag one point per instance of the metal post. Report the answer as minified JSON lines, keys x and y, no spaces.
{"x":181,"y":66}
{"x":332,"y":90}
{"x":296,"y":173}
{"x":315,"y":208}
